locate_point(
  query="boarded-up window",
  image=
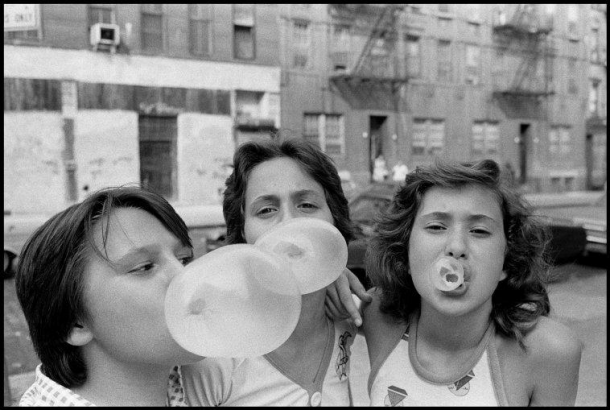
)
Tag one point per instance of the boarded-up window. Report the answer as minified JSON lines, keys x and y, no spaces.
{"x":157,"y":138}
{"x":27,"y":94}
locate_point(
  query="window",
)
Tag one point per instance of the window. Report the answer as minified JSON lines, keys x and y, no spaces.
{"x":413,"y":56}
{"x":301,"y":39}
{"x":593,"y":97}
{"x":428,"y":137}
{"x":327,"y":131}
{"x":101,"y":13}
{"x":200,"y":29}
{"x":157,"y":139}
{"x":444,"y":60}
{"x":152,"y":27}
{"x":341,"y":47}
{"x":380,"y":57}
{"x":572,"y":76}
{"x":473,"y":63}
{"x":594,"y":45}
{"x":444,"y":25}
{"x":560,"y":143}
{"x":485,"y":140}
{"x":243,"y":31}
{"x":573,"y":21}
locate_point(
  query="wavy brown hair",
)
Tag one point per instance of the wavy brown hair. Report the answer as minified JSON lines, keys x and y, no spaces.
{"x":518,"y":300}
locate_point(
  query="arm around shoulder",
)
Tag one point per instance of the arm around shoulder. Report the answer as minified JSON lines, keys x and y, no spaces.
{"x":555,"y":353}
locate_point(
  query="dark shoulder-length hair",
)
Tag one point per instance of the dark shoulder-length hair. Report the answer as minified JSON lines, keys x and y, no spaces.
{"x":309,"y":157}
{"x":517,"y":301}
{"x":50,"y":277}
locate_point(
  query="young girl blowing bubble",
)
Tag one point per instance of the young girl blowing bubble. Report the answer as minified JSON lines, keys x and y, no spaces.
{"x":92,"y":282}
{"x":274,"y":182}
{"x":459,"y":316}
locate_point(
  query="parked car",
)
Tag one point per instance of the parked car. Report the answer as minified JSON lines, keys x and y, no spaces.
{"x":568,"y":236}
{"x":587,"y":210}
{"x":205,"y":223}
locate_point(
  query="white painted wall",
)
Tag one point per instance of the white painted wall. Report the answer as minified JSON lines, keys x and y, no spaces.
{"x":88,"y":66}
{"x":34,"y":172}
{"x":106,"y":149}
{"x":205,"y":153}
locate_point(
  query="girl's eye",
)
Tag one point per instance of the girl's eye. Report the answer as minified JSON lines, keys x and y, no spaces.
{"x":142,"y":269}
{"x":186,"y":260}
{"x":435,"y":227}
{"x":480,"y":231}
{"x":265,"y":211}
{"x":309,"y":205}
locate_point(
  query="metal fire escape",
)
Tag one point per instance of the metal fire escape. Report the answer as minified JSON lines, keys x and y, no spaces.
{"x":374,"y":79}
{"x":523,"y":31}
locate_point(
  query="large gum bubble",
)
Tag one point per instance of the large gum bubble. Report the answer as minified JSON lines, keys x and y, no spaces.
{"x":236,"y":301}
{"x":315,"y":250}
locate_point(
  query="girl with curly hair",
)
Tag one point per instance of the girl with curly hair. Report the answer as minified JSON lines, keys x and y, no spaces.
{"x":459,"y":311}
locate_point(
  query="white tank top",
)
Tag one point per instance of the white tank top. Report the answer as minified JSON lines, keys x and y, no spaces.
{"x":399,"y":380}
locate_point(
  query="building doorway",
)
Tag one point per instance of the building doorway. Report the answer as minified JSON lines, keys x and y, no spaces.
{"x":377,"y":131}
{"x":158,"y":146}
{"x":524,"y":142}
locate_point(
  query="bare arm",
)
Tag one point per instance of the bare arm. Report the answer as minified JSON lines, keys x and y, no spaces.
{"x":555,"y":361}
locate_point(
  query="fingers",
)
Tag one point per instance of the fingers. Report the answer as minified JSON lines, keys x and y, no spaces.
{"x":357,"y":287}
{"x":345,"y":295}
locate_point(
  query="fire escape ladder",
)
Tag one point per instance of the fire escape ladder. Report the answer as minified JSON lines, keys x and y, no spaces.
{"x":379,"y":30}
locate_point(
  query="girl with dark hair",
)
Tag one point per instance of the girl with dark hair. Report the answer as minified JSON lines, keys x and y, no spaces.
{"x":459,"y":311}
{"x":272,"y":182}
{"x":92,"y":283}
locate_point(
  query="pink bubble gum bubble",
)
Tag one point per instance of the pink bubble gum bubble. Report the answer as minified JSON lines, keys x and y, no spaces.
{"x":315,"y":250}
{"x":236,"y":301}
{"x":447,"y":275}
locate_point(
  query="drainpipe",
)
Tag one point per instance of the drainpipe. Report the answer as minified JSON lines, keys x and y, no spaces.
{"x":69,"y":105}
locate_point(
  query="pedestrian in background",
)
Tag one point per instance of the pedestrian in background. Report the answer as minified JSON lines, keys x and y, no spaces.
{"x":486,"y":342}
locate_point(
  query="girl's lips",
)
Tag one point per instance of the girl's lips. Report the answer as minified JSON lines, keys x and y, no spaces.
{"x":460,"y":290}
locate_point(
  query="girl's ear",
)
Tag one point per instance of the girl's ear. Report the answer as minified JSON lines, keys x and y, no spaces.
{"x":503,"y":275}
{"x":80,"y":335}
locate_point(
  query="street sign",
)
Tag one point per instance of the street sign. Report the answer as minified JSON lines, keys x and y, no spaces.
{"x":20,"y":17}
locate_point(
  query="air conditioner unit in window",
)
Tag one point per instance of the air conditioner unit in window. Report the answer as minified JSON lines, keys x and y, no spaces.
{"x":104,"y":35}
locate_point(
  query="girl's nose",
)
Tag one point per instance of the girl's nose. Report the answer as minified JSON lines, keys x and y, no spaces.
{"x":456,"y":246}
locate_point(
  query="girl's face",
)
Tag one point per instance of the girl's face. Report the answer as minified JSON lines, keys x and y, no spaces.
{"x":125,"y":302}
{"x":462,"y":223}
{"x":279,"y":190}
